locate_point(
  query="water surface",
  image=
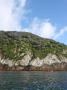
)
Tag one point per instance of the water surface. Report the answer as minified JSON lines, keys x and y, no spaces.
{"x":33,"y":80}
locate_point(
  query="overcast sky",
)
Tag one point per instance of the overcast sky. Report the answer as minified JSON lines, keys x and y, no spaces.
{"x":47,"y":18}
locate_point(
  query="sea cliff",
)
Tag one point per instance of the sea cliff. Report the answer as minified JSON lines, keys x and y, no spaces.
{"x":26,"y":51}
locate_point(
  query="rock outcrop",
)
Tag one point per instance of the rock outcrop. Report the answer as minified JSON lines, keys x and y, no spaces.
{"x":49,"y":63}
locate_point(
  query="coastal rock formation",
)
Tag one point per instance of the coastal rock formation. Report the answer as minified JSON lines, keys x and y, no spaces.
{"x":49,"y":63}
{"x":26,"y":51}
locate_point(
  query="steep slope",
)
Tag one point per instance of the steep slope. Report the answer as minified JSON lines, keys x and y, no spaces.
{"x":26,"y":51}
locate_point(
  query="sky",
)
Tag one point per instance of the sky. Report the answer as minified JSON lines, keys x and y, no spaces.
{"x":46,"y":18}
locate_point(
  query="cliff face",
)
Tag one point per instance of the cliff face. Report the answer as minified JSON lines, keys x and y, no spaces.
{"x":25,"y":51}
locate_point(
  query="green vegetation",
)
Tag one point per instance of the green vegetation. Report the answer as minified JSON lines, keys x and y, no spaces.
{"x":15,"y":45}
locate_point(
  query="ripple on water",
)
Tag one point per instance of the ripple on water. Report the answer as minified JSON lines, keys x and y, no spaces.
{"x":33,"y":80}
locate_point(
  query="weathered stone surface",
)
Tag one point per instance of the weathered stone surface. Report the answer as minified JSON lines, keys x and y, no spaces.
{"x":49,"y":63}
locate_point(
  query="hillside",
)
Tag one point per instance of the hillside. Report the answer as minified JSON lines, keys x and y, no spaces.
{"x":23,"y":51}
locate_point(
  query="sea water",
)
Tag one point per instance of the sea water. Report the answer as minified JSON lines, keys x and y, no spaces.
{"x":33,"y":80}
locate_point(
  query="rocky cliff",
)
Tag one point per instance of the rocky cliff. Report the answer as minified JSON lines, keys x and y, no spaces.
{"x":26,"y":51}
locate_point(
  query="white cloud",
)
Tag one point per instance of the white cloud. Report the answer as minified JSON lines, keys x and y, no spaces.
{"x":61,"y":32}
{"x":11,"y":14}
{"x":47,"y":29}
{"x":43,"y":28}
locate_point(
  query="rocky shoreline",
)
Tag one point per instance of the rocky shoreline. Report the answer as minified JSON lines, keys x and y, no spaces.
{"x":49,"y":63}
{"x":48,"y":68}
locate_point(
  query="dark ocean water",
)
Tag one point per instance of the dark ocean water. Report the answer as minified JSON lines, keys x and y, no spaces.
{"x":33,"y":80}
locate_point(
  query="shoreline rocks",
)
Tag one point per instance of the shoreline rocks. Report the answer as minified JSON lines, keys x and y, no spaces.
{"x":50,"y":63}
{"x":53,"y":67}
